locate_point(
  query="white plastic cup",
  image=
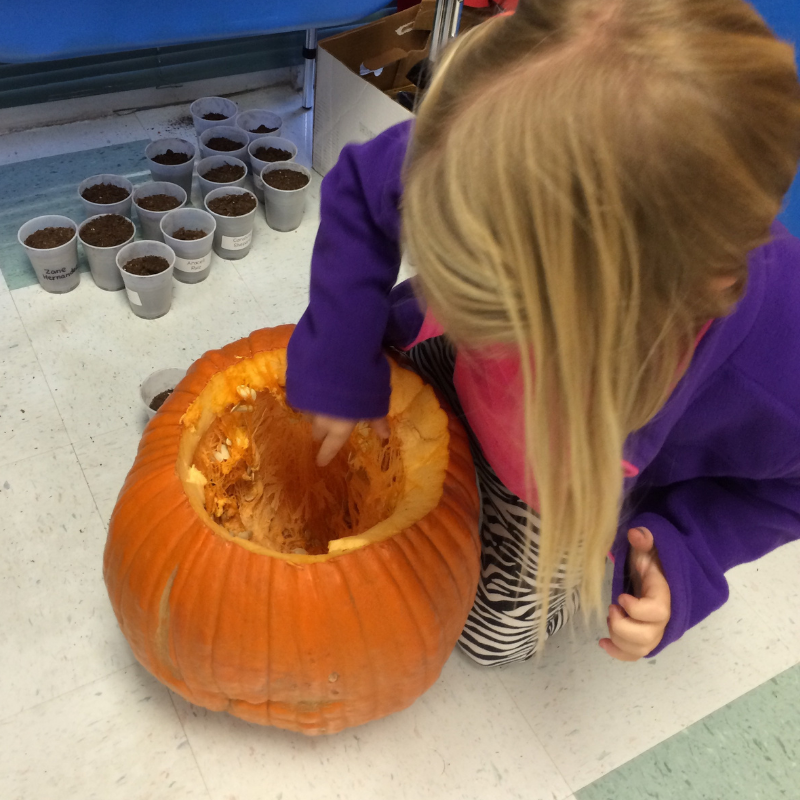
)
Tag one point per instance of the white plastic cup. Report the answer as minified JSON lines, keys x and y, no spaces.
{"x":56,"y":268}
{"x":151,"y":220}
{"x":159,"y":381}
{"x":258,"y":165}
{"x":212,"y":105}
{"x":225,"y":132}
{"x":150,"y":296}
{"x":206,"y":164}
{"x":172,"y":173}
{"x":233,"y":237}
{"x":103,"y":260}
{"x":123,"y":207}
{"x":255,"y":118}
{"x":192,"y":257}
{"x":284,"y":207}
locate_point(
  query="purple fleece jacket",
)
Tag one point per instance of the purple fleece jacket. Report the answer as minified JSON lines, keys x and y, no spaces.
{"x":719,"y":465}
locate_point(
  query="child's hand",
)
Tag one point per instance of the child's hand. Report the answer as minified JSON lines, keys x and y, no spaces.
{"x":333,"y":432}
{"x":637,"y":624}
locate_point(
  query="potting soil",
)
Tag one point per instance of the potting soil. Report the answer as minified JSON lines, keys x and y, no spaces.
{"x":213,"y":115}
{"x":158,"y":202}
{"x":189,"y":235}
{"x":159,"y":399}
{"x":109,"y":230}
{"x":225,"y":174}
{"x":46,"y":238}
{"x":286,"y":179}
{"x":233,"y":205}
{"x":223,"y":144}
{"x":105,"y":193}
{"x":171,"y":158}
{"x":146,"y":265}
{"x":262,"y":129}
{"x":272,"y":154}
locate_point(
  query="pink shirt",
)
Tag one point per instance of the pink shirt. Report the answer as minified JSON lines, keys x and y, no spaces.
{"x":489,"y":387}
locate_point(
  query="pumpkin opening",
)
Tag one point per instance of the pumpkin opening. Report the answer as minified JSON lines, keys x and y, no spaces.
{"x":263,"y":485}
{"x":248,"y":464}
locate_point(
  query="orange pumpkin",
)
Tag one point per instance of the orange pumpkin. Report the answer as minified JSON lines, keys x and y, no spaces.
{"x":250,"y":581}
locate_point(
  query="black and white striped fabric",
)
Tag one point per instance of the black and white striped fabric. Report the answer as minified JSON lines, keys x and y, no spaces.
{"x":503,"y":625}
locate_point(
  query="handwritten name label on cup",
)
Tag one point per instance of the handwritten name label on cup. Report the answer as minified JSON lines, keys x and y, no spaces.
{"x":195,"y":264}
{"x":237,"y":242}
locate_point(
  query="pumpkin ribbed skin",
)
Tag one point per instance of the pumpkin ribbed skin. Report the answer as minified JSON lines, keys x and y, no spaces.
{"x":312,"y":647}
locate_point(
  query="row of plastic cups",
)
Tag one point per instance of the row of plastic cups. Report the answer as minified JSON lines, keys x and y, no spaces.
{"x":247,"y":121}
{"x":257,"y":165}
{"x":283,"y":209}
{"x":57,"y":267}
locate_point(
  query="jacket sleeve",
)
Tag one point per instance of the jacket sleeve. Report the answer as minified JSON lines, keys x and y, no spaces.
{"x":335,"y":361}
{"x":704,"y":527}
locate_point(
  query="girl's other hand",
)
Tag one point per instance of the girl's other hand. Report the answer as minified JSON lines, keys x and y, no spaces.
{"x":333,"y":432}
{"x":638,"y":623}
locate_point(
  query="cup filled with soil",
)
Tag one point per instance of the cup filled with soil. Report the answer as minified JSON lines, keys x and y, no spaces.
{"x":234,"y":211}
{"x":285,"y":189}
{"x":146,"y":268}
{"x":51,"y":243}
{"x":157,"y":388}
{"x":268,"y":150}
{"x":190,"y":233}
{"x":224,"y":140}
{"x":216,"y":171}
{"x":102,"y":237}
{"x":172,"y":160}
{"x":153,"y":200}
{"x":209,"y":112}
{"x":106,"y":194}
{"x":259,"y":122}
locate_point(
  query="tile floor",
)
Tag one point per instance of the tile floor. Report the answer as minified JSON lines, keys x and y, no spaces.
{"x":713,"y":717}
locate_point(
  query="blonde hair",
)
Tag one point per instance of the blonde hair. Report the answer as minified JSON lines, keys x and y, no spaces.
{"x":579,"y":174}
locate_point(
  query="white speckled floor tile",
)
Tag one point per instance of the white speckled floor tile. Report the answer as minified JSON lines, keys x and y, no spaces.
{"x":29,"y":420}
{"x":58,"y":628}
{"x":278,"y":271}
{"x":117,"y":738}
{"x":105,"y":460}
{"x":69,"y":138}
{"x":771,"y":587}
{"x":95,"y":352}
{"x":464,"y":739}
{"x":594,"y":713}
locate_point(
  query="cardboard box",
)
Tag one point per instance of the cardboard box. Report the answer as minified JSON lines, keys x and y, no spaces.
{"x":358,"y":74}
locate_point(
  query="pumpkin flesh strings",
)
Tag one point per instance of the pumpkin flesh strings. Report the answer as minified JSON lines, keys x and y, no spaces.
{"x":262,"y":482}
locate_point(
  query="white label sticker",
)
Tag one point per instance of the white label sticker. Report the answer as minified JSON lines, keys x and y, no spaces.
{"x":133,"y":297}
{"x":237,"y":242}
{"x":192,"y":264}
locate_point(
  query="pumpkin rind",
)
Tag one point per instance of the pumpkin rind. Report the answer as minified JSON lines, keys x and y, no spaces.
{"x":312,"y":647}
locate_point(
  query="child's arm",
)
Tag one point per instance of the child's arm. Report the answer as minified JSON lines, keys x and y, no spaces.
{"x":704,"y":527}
{"x":336,"y":366}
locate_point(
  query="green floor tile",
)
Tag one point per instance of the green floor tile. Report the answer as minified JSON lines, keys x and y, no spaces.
{"x":50,"y":186}
{"x":748,"y":750}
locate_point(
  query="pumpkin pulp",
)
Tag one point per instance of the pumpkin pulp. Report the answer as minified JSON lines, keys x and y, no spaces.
{"x":248,"y":465}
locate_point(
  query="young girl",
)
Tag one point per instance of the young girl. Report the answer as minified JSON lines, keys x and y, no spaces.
{"x":588,"y":194}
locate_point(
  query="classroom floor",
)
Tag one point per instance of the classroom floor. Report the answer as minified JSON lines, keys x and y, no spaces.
{"x":712,"y":718}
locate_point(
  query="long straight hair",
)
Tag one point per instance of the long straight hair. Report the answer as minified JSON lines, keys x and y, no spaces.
{"x":579,"y":176}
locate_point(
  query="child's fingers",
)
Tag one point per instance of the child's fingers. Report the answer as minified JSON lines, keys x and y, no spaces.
{"x":625,"y":629}
{"x":646,"y":609}
{"x":381,"y":427}
{"x":615,"y":651}
{"x":331,"y":445}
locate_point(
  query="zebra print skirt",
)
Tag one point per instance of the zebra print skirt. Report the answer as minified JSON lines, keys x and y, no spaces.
{"x":503,"y":625}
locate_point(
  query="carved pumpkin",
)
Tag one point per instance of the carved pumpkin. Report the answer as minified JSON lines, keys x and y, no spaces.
{"x":250,"y":581}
